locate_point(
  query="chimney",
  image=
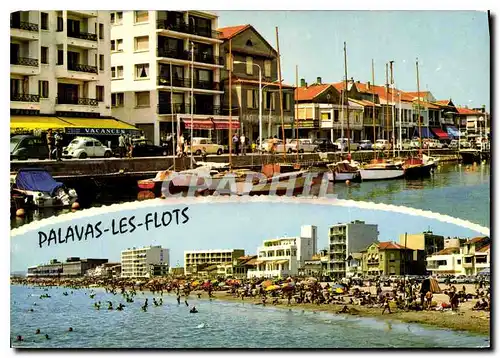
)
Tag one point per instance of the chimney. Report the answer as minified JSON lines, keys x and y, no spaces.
{"x":303,"y":82}
{"x":368,"y":85}
{"x":318,"y":80}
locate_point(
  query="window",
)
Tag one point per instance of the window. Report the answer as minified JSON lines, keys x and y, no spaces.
{"x":44,"y":57}
{"x":44,"y":20}
{"x":99,"y":93}
{"x":116,"y":18}
{"x":325,"y":116}
{"x":459,"y":262}
{"x":101,"y":31}
{"x":101,"y":62}
{"x":252,"y":98}
{"x":268,"y":100}
{"x":60,"y":24}
{"x":117,"y":72}
{"x":142,"y":70}
{"x":43,"y":89}
{"x":391,"y":256}
{"x":336,"y":115}
{"x":142,"y":99}
{"x":392,"y":270}
{"x":117,"y":45}
{"x":141,"y":43}
{"x":287,"y":99}
{"x":141,"y":16}
{"x":60,"y":57}
{"x":249,"y":63}
{"x":228,"y":62}
{"x":267,"y":68}
{"x":89,"y":143}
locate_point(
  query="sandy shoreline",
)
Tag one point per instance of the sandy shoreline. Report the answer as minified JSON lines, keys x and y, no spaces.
{"x":465,"y":319}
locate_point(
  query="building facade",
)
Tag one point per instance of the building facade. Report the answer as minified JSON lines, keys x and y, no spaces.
{"x":284,"y":256}
{"x":72,"y":267}
{"x":138,"y":262}
{"x":195,"y":258}
{"x":389,"y":258}
{"x":60,"y":72}
{"x":153,"y":84}
{"x":251,"y":52}
{"x":346,"y":239}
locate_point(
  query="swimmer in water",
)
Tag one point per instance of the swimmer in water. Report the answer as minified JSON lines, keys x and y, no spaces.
{"x":37,"y":331}
{"x":178,"y":299}
{"x":120,"y":307}
{"x":32,"y":310}
{"x":161,"y":301}
{"x":110,"y":307}
{"x":186,"y":302}
{"x":47,"y":336}
{"x":193,"y":310}
{"x":19,"y":338}
{"x":70,"y":329}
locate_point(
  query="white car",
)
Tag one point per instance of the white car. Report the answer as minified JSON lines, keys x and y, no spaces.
{"x":432,"y":144}
{"x":406,"y":144}
{"x":382,"y":144}
{"x":304,"y":146}
{"x":206,"y":145}
{"x":86,"y":147}
{"x":342,"y":143}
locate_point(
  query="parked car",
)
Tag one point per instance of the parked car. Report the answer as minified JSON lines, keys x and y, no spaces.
{"x":146,"y":148}
{"x":304,"y":146}
{"x":459,"y":279}
{"x":415,"y":144}
{"x":382,"y":144}
{"x":201,"y":144}
{"x":463,"y":144}
{"x":325,"y":145}
{"x":342,"y":144}
{"x":278,"y":148}
{"x":365,"y":145}
{"x":24,"y":147}
{"x":406,"y":144}
{"x":86,"y":147}
{"x":432,"y":144}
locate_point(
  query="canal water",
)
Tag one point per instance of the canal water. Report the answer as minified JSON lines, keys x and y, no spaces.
{"x":217,"y":325}
{"x":462,"y":191}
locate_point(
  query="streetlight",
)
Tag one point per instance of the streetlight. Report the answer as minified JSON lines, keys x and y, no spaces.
{"x":192,"y":101}
{"x":260,"y":99}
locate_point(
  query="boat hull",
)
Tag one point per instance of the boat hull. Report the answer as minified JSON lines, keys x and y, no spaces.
{"x":381,"y":174}
{"x":342,"y":177}
{"x":419,"y":171}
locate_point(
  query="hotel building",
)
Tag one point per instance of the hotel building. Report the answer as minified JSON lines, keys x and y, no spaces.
{"x":193,"y":259}
{"x":345,"y":240}
{"x":60,"y":71}
{"x":284,"y":256}
{"x":144,"y":261}
{"x":153,"y":86}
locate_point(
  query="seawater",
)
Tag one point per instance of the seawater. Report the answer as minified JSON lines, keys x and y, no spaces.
{"x":217,"y":325}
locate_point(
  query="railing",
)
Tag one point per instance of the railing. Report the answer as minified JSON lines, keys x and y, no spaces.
{"x":24,"y":61}
{"x":186,"y":55}
{"x":165,"y":52}
{"x":82,"y":68}
{"x":25,"y":97}
{"x":77,"y":100}
{"x":183,"y":27}
{"x":184,"y":108}
{"x":83,"y":35}
{"x":178,"y":108}
{"x":208,"y":58}
{"x":186,"y":82}
{"x":23,"y":25}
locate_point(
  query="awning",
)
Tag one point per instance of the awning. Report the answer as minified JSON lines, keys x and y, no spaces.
{"x":99,"y":126}
{"x":453,"y":132}
{"x":426,"y":133}
{"x":23,"y":124}
{"x":281,"y":262}
{"x":302,"y":124}
{"x":441,"y":134}
{"x":199,"y":123}
{"x":225,"y":124}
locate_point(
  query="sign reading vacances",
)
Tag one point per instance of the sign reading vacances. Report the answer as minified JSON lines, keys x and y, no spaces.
{"x":100,"y":131}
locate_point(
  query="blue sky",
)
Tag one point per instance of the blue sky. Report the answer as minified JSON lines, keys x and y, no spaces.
{"x":452,"y":47}
{"x":218,"y":226}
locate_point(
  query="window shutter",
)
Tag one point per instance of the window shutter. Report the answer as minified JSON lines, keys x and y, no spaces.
{"x":249,"y":98}
{"x":249,"y":63}
{"x":142,"y":43}
{"x":141,"y":16}
{"x":267,"y":68}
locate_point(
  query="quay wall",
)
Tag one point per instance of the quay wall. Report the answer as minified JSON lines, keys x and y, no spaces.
{"x":143,"y":166}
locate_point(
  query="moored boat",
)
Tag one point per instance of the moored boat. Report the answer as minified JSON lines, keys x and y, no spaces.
{"x":40,"y":189}
{"x":343,"y":171}
{"x":416,"y":168}
{"x":382,"y":171}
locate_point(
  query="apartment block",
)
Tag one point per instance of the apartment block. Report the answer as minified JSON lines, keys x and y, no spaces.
{"x":193,"y":259}
{"x":144,"y":261}
{"x":346,"y":239}
{"x":165,"y":66}
{"x":72,"y":267}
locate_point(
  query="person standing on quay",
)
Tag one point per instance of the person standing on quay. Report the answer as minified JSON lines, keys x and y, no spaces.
{"x":58,"y":144}
{"x":236,"y":141}
{"x":50,"y":141}
{"x":243,"y":144}
{"x":121,"y":145}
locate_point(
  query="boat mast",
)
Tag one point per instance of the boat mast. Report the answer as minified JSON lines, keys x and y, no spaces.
{"x":393,"y":111}
{"x":172,"y":115}
{"x":373,"y":109}
{"x":230,"y":105}
{"x":418,"y":111}
{"x":347,"y":101}
{"x":296,"y":109}
{"x":281,"y":93}
{"x":342,"y":123}
{"x":387,"y":100}
{"x":400,"y":147}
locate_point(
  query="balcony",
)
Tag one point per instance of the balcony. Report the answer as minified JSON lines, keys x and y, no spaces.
{"x":178,"y":108}
{"x":76,"y":71}
{"x":23,"y":25}
{"x":23,"y":101}
{"x":76,"y":101}
{"x":83,"y":36}
{"x":468,"y":264}
{"x":24,"y":61}
{"x":24,"y":66}
{"x":82,"y":68}
{"x":184,"y":57}
{"x":25,"y":97}
{"x":186,"y":83}
{"x":83,"y":40}
{"x":182,"y":27}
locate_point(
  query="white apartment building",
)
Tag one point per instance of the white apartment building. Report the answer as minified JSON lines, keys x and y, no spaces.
{"x":345,"y":240}
{"x":194,"y":258}
{"x":284,"y":256}
{"x":151,"y":72}
{"x":60,"y":72}
{"x":448,"y":261}
{"x":136,"y":262}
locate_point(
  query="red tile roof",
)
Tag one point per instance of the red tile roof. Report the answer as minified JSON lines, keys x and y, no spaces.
{"x":443,"y":102}
{"x":389,"y":245}
{"x":415,"y":94}
{"x":256,"y":82}
{"x":462,"y":110}
{"x":477,"y":239}
{"x":311,"y":92}
{"x":484,"y":249}
{"x":448,"y":251}
{"x":228,"y":32}
{"x":427,"y":105}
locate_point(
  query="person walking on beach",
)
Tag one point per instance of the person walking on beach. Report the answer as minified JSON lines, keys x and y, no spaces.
{"x":428,"y":300}
{"x":386,"y":304}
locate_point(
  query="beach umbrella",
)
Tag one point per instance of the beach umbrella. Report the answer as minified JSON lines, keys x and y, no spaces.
{"x":339,"y":286}
{"x":272,"y":288}
{"x":430,"y":284}
{"x":339,"y":290}
{"x":267,"y":283}
{"x":195,"y":283}
{"x":485,"y":272}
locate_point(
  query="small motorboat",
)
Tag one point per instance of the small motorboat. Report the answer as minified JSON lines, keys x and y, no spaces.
{"x":416,"y":168}
{"x":343,"y":171}
{"x":40,"y":189}
{"x":430,"y":160}
{"x":382,"y":171}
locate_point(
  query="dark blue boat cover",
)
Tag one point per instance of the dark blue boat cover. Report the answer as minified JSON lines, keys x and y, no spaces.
{"x":37,"y":180}
{"x":426,"y":133}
